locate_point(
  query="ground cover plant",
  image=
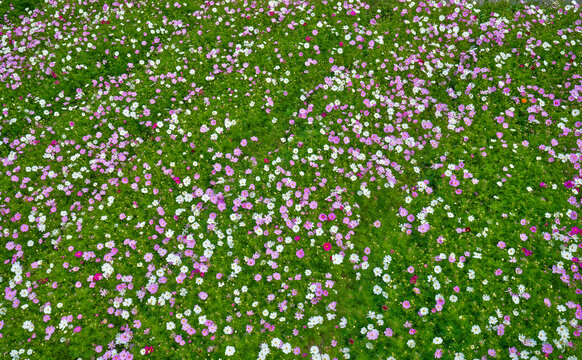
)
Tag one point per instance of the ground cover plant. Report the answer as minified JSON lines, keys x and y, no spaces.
{"x":290,"y":179}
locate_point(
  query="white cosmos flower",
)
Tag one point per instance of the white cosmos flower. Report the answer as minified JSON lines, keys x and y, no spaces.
{"x":476,"y":329}
{"x":337,"y":259}
{"x":276,"y":342}
{"x":229,"y":350}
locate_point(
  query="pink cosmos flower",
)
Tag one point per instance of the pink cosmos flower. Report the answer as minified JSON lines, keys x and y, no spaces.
{"x":547,"y":348}
{"x":300,"y":253}
{"x":327,"y":246}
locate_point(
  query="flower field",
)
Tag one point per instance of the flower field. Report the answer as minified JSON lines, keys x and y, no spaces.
{"x":290,"y":180}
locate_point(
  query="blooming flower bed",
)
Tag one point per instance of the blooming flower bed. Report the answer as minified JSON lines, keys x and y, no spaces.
{"x":277,"y":179}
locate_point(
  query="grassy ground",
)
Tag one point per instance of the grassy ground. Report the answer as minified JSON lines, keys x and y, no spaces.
{"x":315,"y":181}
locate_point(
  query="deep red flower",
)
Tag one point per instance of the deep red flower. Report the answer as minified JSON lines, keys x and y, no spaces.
{"x":467,"y":229}
{"x":384,"y":307}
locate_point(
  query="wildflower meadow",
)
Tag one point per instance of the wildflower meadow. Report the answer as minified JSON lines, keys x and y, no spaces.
{"x":290,"y":179}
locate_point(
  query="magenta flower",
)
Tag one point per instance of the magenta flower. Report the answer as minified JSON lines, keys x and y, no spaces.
{"x":327,"y":246}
